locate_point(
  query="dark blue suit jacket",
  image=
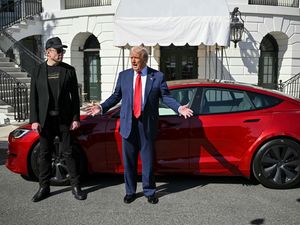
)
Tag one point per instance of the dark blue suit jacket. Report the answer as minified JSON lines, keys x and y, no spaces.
{"x":156,"y":87}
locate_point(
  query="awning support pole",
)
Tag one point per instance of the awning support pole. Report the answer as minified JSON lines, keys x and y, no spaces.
{"x":123,"y":57}
{"x":222,"y":72}
{"x":205,"y":60}
{"x":209,"y":57}
{"x":150,"y":50}
{"x":216,"y":73}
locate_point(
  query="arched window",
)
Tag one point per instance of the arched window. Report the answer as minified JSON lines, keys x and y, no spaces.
{"x":268,"y":63}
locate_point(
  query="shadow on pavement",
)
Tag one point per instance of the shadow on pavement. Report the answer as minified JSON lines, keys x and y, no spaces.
{"x":259,"y":221}
{"x":170,"y":183}
{"x":180,"y":183}
{"x":3,"y":150}
{"x":99,"y":181}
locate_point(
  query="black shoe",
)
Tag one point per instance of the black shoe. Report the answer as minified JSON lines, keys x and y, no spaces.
{"x":129,"y":198}
{"x":41,"y":194}
{"x":78,"y":193}
{"x":152,"y":199}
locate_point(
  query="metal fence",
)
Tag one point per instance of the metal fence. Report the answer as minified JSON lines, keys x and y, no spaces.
{"x":14,"y":93}
{"x":16,"y":11}
{"x":286,"y":3}
{"x":71,"y":4}
{"x":291,"y":86}
{"x":21,"y":102}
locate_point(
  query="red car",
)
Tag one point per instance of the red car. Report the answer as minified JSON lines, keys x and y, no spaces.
{"x":236,"y":130}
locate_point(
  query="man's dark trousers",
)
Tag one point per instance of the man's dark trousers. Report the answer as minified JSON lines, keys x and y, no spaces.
{"x":51,"y":129}
{"x":130,"y":157}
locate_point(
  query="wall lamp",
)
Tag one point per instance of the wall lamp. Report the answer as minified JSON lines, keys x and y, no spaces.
{"x":236,"y":26}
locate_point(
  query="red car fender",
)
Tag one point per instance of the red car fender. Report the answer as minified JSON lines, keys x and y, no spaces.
{"x":245,"y":164}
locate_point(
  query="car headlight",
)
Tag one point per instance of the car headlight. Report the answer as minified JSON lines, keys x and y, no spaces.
{"x":18,"y":133}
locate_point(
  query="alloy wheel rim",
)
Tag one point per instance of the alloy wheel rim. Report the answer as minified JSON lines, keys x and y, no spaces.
{"x":281,"y":164}
{"x":59,"y":170}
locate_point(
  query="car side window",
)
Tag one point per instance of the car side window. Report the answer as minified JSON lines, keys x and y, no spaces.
{"x":219,"y":100}
{"x":184,"y":96}
{"x":261,"y":101}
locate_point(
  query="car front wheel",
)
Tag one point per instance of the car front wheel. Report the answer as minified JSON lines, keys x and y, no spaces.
{"x":277,"y":164}
{"x":59,"y":170}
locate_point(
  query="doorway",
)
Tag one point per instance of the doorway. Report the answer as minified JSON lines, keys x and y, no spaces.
{"x":179,"y":62}
{"x":92,"y":69}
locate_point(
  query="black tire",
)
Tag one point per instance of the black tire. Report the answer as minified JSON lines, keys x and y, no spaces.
{"x":60,"y":174}
{"x":277,"y":164}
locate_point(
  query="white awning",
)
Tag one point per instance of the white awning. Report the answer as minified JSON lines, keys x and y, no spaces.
{"x":177,"y":22}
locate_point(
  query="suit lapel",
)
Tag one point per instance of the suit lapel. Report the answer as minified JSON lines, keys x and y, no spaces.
{"x":149,"y":83}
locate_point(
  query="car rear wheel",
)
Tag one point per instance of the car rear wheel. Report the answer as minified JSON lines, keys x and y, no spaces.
{"x":59,"y":173}
{"x":277,"y":164}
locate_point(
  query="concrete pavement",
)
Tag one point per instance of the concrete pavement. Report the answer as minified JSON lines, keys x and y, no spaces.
{"x":4,"y":132}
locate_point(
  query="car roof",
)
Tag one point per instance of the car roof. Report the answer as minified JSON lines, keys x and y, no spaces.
{"x":208,"y":81}
{"x":228,"y":84}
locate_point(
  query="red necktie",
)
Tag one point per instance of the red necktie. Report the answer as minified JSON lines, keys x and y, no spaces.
{"x":137,"y":98}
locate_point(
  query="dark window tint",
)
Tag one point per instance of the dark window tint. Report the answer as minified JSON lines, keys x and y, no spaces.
{"x":217,"y":100}
{"x":263,"y":101}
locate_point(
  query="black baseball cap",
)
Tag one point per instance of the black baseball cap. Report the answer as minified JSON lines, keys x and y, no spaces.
{"x":54,"y":42}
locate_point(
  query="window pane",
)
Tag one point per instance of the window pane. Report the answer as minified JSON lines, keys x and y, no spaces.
{"x":231,"y":101}
{"x":184,"y":96}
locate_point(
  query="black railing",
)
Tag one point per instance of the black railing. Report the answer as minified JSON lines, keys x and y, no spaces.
{"x":71,"y":4}
{"x":286,"y":3}
{"x":26,"y":54}
{"x":15,"y":11}
{"x":14,"y":93}
{"x":291,"y":86}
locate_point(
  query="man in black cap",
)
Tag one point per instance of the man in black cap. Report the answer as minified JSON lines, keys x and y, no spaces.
{"x":54,"y":111}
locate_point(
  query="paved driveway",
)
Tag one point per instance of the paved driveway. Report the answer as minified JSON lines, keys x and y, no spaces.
{"x":183,"y":200}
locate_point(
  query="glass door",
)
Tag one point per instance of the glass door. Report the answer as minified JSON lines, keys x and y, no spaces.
{"x":179,"y":62}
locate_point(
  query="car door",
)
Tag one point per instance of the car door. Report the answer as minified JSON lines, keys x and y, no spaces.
{"x":228,"y":124}
{"x":172,"y":144}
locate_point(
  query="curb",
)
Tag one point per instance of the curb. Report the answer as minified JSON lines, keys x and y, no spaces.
{"x":3,"y":145}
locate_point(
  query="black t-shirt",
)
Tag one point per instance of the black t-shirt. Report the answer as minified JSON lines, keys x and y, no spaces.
{"x":53,"y":83}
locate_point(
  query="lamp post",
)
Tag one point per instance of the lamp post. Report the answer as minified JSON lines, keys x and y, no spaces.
{"x":236,"y":26}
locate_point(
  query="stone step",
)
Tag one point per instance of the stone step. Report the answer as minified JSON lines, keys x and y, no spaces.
{"x":4,"y":120}
{"x":7,"y":64}
{"x":6,"y":109}
{"x":4,"y":59}
{"x":18,"y":74}
{"x":10,"y":69}
{"x":11,"y":117}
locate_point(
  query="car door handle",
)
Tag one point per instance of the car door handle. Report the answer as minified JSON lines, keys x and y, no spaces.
{"x":252,"y":121}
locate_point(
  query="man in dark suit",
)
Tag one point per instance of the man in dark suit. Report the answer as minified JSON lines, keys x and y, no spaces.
{"x":140,"y":89}
{"x":54,"y":111}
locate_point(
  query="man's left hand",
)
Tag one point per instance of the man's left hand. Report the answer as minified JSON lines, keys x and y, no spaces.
{"x":185,"y":111}
{"x":75,"y":125}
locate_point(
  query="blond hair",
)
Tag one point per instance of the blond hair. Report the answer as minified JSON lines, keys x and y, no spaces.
{"x":141,"y":50}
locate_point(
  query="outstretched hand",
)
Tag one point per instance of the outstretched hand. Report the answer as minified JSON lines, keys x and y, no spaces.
{"x":92,"y":109}
{"x":185,"y":111}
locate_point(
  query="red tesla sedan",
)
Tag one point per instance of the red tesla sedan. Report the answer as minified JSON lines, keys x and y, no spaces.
{"x":236,"y":130}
